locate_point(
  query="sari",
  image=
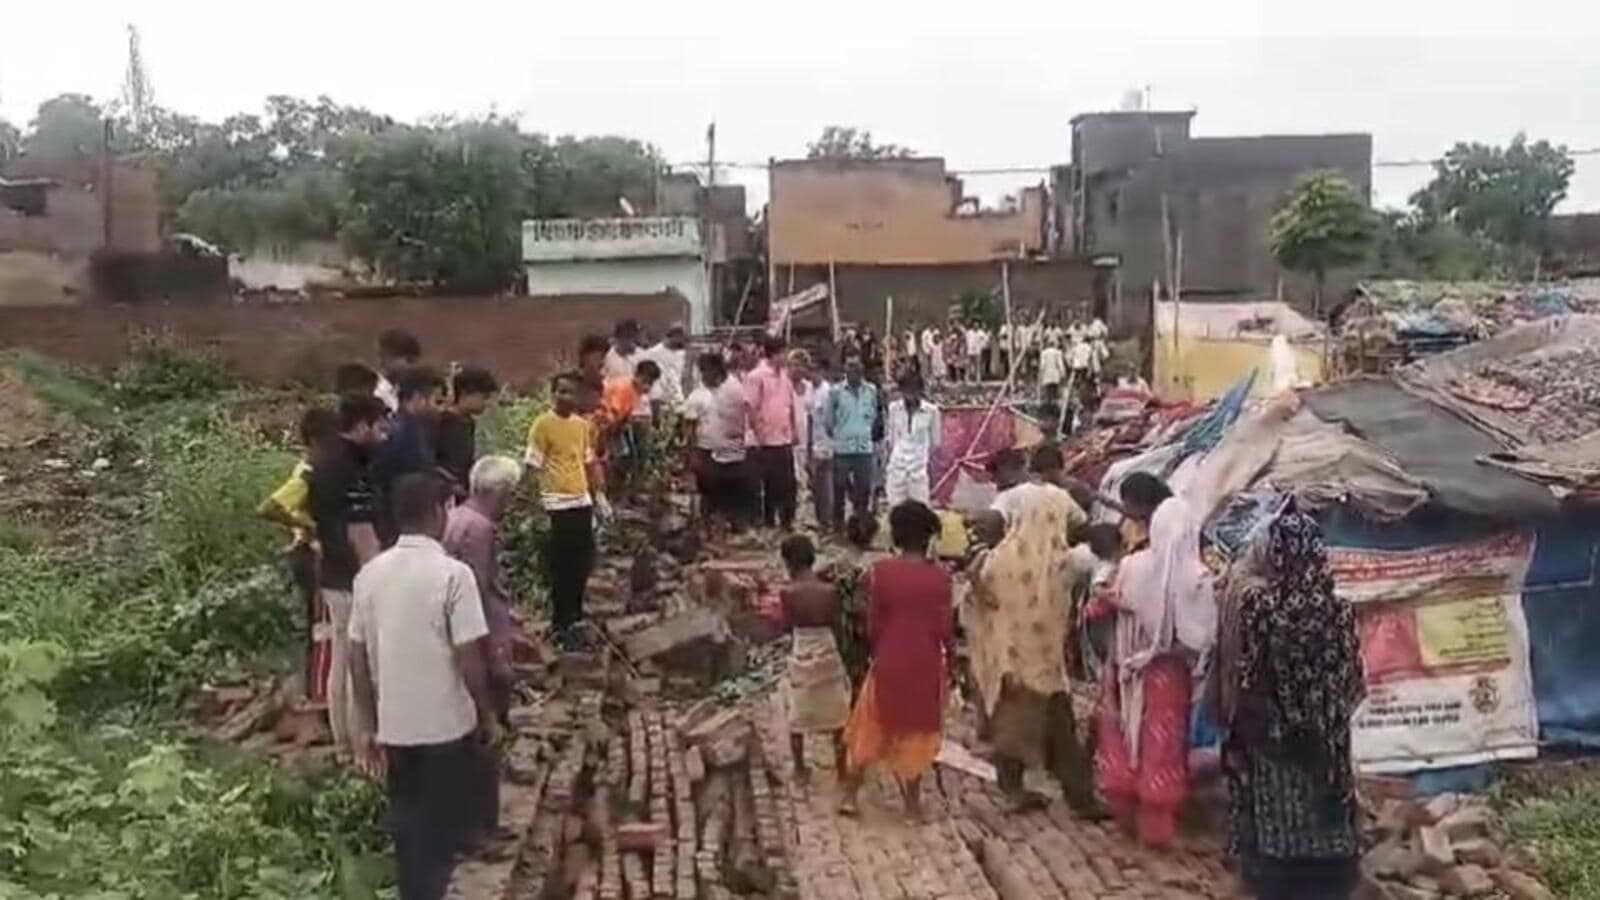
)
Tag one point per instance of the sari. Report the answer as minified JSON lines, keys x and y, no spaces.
{"x":1166,"y":616}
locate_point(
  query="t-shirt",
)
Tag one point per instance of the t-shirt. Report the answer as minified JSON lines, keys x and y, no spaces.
{"x":1052,"y":365}
{"x":458,"y":447}
{"x":618,"y":365}
{"x":700,"y":408}
{"x":974,"y":339}
{"x":294,"y":496}
{"x":619,"y":402}
{"x":413,"y":607}
{"x":341,"y":495}
{"x":1082,"y":355}
{"x":668,"y":389}
{"x":560,"y":448}
{"x":726,"y":429}
{"x":386,"y":391}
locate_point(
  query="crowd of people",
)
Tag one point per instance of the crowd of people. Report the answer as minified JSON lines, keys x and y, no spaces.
{"x":396,"y":519}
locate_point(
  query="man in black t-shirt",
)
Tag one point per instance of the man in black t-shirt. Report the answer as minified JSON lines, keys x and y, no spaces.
{"x":471,"y":391}
{"x":345,"y":506}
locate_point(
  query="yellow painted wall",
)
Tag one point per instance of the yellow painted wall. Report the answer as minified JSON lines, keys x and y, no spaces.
{"x":1199,"y":369}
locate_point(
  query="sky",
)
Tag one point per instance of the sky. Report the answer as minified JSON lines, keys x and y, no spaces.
{"x":983,"y":85}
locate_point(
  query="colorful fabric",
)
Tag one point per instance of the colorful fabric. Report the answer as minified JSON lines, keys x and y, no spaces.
{"x":818,"y":687}
{"x":1146,"y":786}
{"x":871,"y":740}
{"x":960,"y":430}
{"x":1021,"y":601}
{"x":909,"y":623}
{"x":770,"y":395}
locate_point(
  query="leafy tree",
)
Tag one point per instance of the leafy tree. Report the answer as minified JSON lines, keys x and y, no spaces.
{"x":1411,"y":245}
{"x":842,"y":142}
{"x":1324,"y":225}
{"x":138,"y":96}
{"x":1504,"y":194}
{"x":442,"y":205}
{"x":67,"y":126}
{"x":10,"y":141}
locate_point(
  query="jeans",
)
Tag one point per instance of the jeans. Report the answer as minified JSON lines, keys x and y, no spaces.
{"x":569,"y":558}
{"x":430,"y":812}
{"x":775,"y":474}
{"x":852,"y":478}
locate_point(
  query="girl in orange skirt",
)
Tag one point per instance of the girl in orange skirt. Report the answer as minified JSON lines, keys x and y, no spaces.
{"x":897,"y":719}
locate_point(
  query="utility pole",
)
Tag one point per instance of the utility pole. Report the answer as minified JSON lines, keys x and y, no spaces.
{"x":707,"y":226}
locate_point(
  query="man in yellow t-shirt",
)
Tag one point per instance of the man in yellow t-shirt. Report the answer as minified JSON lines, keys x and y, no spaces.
{"x":290,"y":506}
{"x":561,"y":453}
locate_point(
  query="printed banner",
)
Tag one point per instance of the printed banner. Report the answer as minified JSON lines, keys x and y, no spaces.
{"x":1445,"y":649}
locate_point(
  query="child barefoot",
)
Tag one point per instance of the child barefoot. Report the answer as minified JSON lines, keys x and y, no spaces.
{"x":819,"y":689}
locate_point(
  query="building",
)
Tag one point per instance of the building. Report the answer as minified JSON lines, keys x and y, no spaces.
{"x":891,"y":212}
{"x":1219,"y":194}
{"x":903,"y":233}
{"x":641,"y":256}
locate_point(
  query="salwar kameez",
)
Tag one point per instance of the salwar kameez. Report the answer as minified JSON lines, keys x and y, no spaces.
{"x":1146,"y":792}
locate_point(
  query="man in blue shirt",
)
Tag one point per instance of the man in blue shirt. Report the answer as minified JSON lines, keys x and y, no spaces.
{"x":409,"y":448}
{"x":851,"y":412}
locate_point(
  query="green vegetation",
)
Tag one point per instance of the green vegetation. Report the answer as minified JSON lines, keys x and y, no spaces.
{"x":1325,"y":225}
{"x":1560,"y":827}
{"x":101,"y":796}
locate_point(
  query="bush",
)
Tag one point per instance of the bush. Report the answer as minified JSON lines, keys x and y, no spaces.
{"x":158,"y":370}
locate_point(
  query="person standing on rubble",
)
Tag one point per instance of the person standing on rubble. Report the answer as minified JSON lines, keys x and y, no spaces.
{"x":561,"y":452}
{"x":1020,"y":616}
{"x":852,"y":409}
{"x":913,"y":435}
{"x":472,"y":535}
{"x":1289,"y":677}
{"x":417,"y":671}
{"x":897,"y":721}
{"x":670,"y":355}
{"x":770,"y":395}
{"x":818,"y":689}
{"x":472,"y":389}
{"x":1165,"y":618}
{"x":398,"y":351}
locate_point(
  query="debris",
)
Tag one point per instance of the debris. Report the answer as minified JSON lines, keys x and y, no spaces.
{"x":1466,"y":881}
{"x":694,"y":627}
{"x":1520,"y":885}
{"x":643,"y":837}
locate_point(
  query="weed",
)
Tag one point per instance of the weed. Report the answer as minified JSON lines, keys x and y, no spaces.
{"x":74,"y":392}
{"x":1560,"y":827}
{"x":158,"y":370}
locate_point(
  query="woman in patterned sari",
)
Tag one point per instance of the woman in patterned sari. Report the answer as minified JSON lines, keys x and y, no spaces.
{"x":1019,"y":613}
{"x":1289,"y":673}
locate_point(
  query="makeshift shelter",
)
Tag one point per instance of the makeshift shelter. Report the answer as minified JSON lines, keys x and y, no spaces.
{"x":1203,"y":348}
{"x":1459,"y":523}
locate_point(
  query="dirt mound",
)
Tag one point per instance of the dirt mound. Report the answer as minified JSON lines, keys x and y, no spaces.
{"x":24,"y":418}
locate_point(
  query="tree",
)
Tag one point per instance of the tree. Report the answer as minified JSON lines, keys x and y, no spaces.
{"x":138,"y":96}
{"x":840,"y":142}
{"x":1413,"y":246}
{"x":442,"y":205}
{"x":1324,"y":225}
{"x":67,"y":126}
{"x":10,"y":141}
{"x":1504,"y":194}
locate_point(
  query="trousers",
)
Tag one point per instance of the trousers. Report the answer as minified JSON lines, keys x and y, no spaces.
{"x":569,"y":558}
{"x":430,"y":812}
{"x":774,"y":469}
{"x":852,"y":479}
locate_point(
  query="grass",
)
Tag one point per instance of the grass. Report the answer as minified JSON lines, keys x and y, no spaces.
{"x":73,"y":392}
{"x":1560,"y":828}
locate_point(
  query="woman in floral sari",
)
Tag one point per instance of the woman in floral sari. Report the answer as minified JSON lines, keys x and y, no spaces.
{"x":1289,"y":673}
{"x":1166,"y":616}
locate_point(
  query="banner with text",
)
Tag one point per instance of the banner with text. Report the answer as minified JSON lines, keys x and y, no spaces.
{"x":1445,"y":649}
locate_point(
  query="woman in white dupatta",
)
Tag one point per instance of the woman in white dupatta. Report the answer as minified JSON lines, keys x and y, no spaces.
{"x":1166,"y":617}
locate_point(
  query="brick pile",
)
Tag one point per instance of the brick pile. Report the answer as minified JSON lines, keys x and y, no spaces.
{"x":1443,"y":847}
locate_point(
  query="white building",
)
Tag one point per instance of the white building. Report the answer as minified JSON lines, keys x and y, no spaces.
{"x":646,"y":255}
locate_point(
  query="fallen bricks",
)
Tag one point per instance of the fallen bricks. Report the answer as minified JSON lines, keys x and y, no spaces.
{"x":1442,"y":846}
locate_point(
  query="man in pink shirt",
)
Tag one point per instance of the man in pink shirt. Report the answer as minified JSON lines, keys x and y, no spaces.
{"x":769,"y":394}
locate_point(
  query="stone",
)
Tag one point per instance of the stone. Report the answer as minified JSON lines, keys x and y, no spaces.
{"x":1521,"y":885}
{"x":1466,"y":881}
{"x":1394,"y":858}
{"x":1438,"y":855}
{"x":1479,"y":852}
{"x":693,"y":627}
{"x":1466,"y":823}
{"x":1440,"y":806}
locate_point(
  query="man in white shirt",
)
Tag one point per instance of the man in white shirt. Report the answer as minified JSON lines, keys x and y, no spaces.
{"x":669,"y":355}
{"x":931,"y":355}
{"x":1052,"y":370}
{"x":716,"y":411}
{"x":974,"y":348}
{"x":416,"y":627}
{"x":913,"y":435}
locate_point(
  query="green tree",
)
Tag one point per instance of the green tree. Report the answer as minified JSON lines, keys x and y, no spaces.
{"x":843,"y":142}
{"x":1413,"y":246}
{"x":1324,"y":225}
{"x":138,"y":95}
{"x":441,"y":205}
{"x":10,"y":141}
{"x":67,"y":126}
{"x":1503,"y":194}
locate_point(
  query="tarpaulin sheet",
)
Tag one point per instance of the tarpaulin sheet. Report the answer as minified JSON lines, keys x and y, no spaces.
{"x":1571,"y":464}
{"x":1434,"y":445}
{"x":1323,"y":464}
{"x":972,"y":431}
{"x":1444,"y":645}
{"x":1560,"y":602}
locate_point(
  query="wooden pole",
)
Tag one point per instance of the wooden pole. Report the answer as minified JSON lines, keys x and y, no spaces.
{"x":1005,"y":294}
{"x":833,"y":300}
{"x":994,"y":406}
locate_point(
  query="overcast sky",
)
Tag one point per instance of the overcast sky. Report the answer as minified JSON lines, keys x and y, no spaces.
{"x":982,"y":84}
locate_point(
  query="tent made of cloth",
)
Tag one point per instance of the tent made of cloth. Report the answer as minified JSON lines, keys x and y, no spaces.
{"x":1434,"y":446}
{"x":969,"y":437}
